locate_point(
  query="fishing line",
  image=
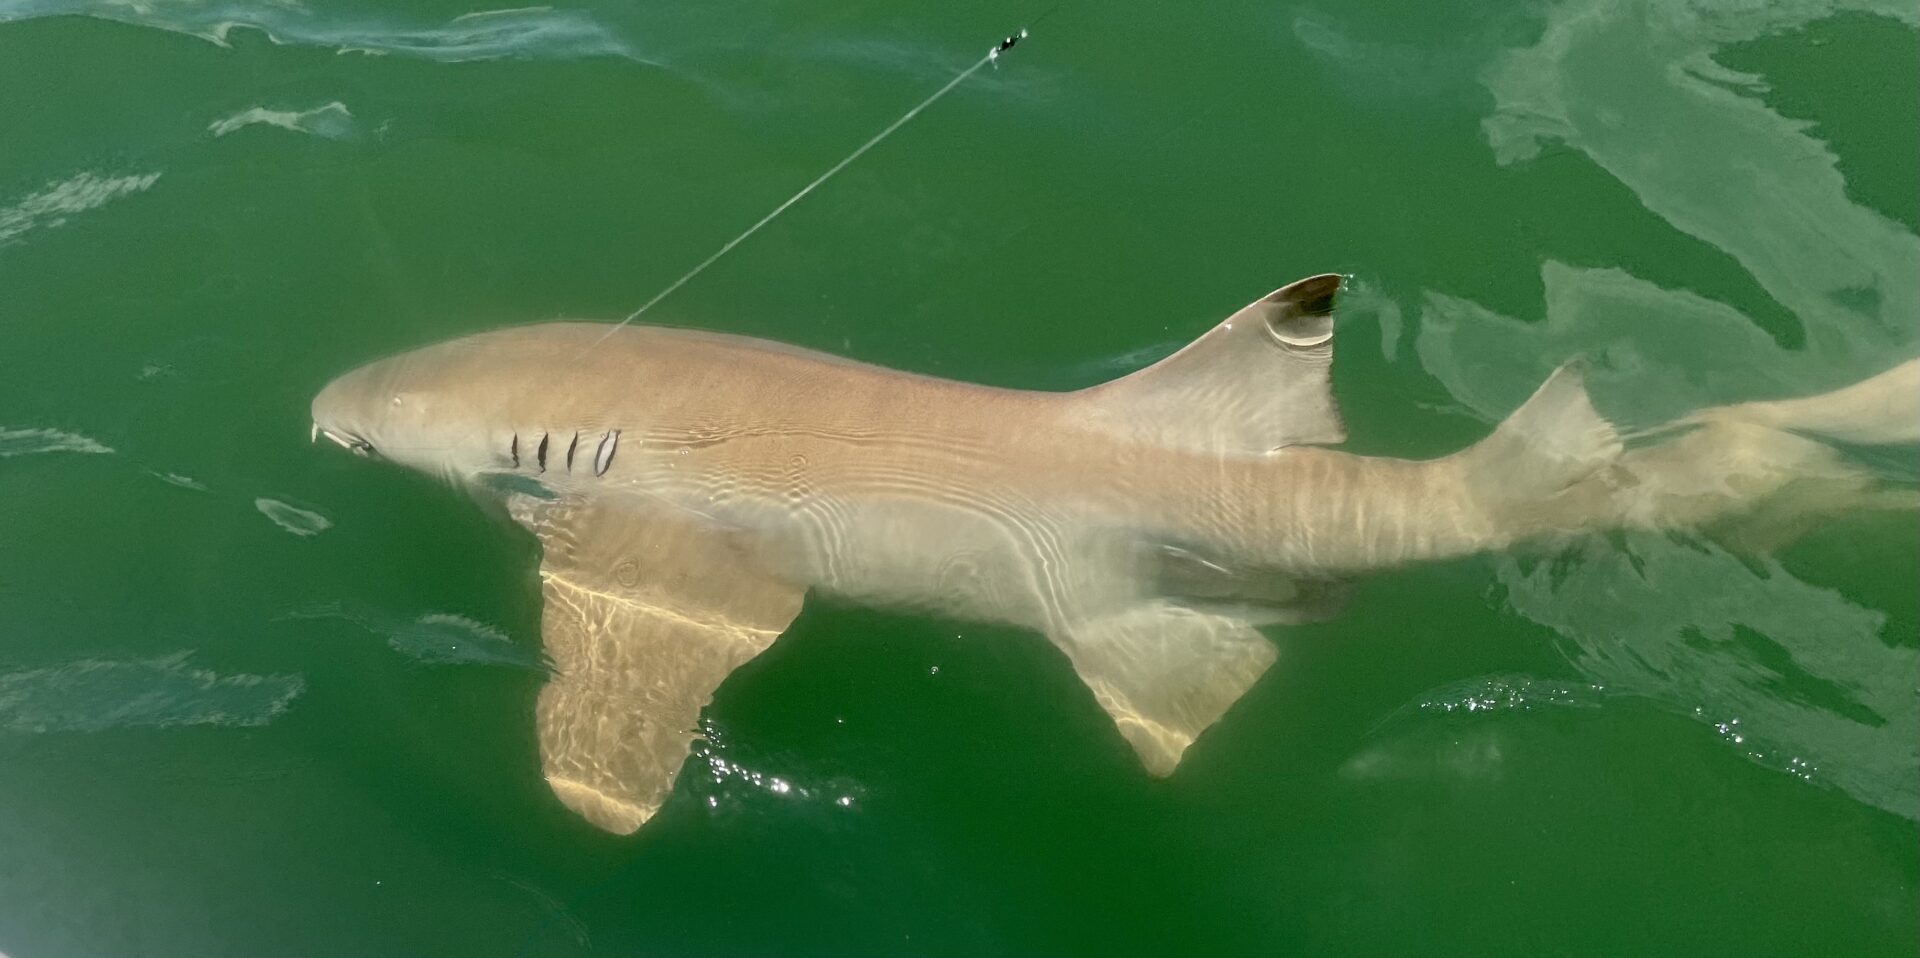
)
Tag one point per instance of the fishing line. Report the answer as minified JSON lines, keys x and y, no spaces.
{"x":992,"y":56}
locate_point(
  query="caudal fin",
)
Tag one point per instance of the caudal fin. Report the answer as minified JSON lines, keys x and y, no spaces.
{"x":1553,"y":441}
{"x":1752,"y":488}
{"x":1882,"y":410}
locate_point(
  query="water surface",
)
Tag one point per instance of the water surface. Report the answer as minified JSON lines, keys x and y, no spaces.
{"x":1638,"y":746}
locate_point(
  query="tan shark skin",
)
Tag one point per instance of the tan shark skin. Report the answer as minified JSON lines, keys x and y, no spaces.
{"x":1882,"y":409}
{"x":1146,"y":526}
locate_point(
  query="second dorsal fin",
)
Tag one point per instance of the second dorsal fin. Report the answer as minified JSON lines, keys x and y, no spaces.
{"x":1256,"y":382}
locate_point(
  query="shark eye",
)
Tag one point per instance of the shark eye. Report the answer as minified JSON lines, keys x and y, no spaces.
{"x":360,"y":447}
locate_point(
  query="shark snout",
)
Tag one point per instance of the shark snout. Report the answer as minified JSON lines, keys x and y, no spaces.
{"x":339,"y":413}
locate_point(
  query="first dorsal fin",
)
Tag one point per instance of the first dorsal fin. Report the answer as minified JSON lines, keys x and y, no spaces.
{"x":1254,"y":383}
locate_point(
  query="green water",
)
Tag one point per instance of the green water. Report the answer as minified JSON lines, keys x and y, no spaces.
{"x":228,"y":725}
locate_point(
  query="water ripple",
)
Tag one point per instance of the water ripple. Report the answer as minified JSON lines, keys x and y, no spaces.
{"x":300,"y":522}
{"x":27,"y":442}
{"x":51,"y":205}
{"x":1794,"y":676}
{"x":329,"y":121}
{"x":519,"y":33}
{"x":92,"y":695}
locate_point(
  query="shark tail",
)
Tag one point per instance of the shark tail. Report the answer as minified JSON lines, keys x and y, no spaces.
{"x":1752,"y":488}
{"x":1543,"y":453}
{"x":1753,"y":477}
{"x":1882,"y":410}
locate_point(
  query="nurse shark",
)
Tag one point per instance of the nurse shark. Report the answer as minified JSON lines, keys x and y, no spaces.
{"x":689,"y":488}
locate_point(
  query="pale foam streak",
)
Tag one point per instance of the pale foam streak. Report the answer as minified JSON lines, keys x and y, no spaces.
{"x":329,"y":121}
{"x":525,"y":32}
{"x":95,"y":695}
{"x":26,"y":442}
{"x":300,"y":522}
{"x":51,"y":205}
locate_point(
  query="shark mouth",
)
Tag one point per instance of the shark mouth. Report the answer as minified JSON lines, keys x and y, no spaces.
{"x":353,"y":444}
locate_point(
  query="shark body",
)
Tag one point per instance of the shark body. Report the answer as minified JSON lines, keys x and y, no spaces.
{"x":689,"y":488}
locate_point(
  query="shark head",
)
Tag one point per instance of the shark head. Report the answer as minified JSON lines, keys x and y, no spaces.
{"x":432,"y":410}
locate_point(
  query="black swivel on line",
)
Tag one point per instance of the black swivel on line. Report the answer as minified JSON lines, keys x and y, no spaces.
{"x":1005,"y":45}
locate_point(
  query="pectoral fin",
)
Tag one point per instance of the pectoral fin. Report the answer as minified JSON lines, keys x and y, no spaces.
{"x":1165,"y":673}
{"x":645,"y":615}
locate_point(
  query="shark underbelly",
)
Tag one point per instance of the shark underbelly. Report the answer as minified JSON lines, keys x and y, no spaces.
{"x":908,"y":531}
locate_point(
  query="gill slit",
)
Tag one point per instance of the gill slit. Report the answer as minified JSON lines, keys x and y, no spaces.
{"x":603,"y":456}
